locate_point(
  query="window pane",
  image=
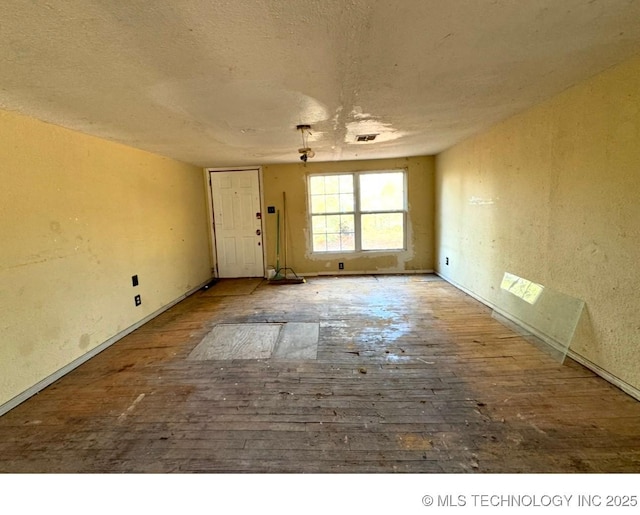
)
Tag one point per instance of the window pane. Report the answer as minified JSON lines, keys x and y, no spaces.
{"x":382,"y":231}
{"x":346,"y":202}
{"x":333,"y":233}
{"x":346,"y":183}
{"x":347,"y":224}
{"x":348,"y":241}
{"x":331,"y":193}
{"x":332,"y":184}
{"x":333,"y":242}
{"x":382,"y":191}
{"x":316,"y":185}
{"x":319,"y":224}
{"x":319,"y":242}
{"x":318,"y":204}
{"x":332,"y":203}
{"x":339,"y":224}
{"x":333,"y":223}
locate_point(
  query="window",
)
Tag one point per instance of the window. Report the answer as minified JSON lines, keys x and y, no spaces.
{"x":358,"y":211}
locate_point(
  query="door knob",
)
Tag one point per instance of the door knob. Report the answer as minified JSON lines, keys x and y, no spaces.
{"x":258,"y":232}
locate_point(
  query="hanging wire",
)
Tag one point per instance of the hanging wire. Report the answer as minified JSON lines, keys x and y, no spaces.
{"x":305,"y":150}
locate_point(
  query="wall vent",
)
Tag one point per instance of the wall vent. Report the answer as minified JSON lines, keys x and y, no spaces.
{"x":365,"y":137}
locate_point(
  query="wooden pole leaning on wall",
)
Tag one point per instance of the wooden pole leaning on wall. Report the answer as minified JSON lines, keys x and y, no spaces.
{"x":281,"y":276}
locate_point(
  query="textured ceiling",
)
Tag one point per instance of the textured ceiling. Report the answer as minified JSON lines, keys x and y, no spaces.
{"x":225,"y":82}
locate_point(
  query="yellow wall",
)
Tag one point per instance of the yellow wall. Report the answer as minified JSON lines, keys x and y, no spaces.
{"x":553,"y":195}
{"x":78,"y":217}
{"x":292,"y":180}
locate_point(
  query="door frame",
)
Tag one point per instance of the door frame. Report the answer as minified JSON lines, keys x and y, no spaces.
{"x":213,"y":255}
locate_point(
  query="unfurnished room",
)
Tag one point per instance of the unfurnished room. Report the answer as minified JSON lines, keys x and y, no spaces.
{"x":279,"y":236}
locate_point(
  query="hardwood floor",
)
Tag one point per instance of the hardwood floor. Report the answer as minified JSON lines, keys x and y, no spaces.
{"x":411,"y":375}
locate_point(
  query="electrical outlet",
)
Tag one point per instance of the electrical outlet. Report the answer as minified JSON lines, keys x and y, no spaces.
{"x":138,"y":300}
{"x":134,"y":280}
{"x":446,"y":261}
{"x":341,"y":266}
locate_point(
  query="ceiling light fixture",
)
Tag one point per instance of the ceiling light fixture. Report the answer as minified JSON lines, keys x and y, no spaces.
{"x":305,"y":151}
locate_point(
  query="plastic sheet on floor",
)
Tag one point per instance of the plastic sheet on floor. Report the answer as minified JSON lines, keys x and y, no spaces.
{"x":545,"y":317}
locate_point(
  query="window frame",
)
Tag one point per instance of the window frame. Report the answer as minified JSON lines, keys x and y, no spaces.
{"x":358,"y":212}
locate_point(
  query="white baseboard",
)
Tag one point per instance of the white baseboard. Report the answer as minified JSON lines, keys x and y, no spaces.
{"x":41,"y":385}
{"x":607,"y":376}
{"x":337,"y":273}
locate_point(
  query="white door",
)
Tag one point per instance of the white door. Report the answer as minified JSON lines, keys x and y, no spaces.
{"x":237,"y":221}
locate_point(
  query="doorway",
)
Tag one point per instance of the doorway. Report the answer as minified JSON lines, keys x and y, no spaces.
{"x":237,"y":223}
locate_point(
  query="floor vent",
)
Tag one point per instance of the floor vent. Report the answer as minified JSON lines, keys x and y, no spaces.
{"x":365,"y":137}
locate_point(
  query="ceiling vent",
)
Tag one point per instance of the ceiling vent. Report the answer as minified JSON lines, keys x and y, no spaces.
{"x":365,"y":137}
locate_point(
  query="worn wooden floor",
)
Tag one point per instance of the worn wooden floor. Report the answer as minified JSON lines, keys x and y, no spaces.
{"x":412,"y":375}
